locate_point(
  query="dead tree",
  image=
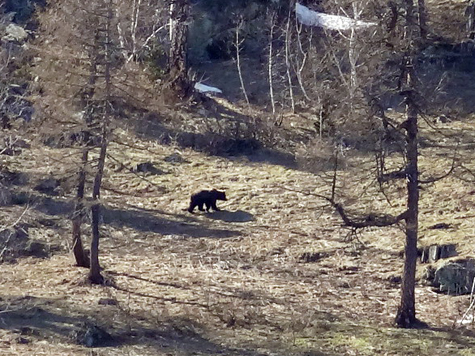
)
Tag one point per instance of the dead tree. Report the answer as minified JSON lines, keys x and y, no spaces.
{"x":95,"y":270}
{"x":82,"y":260}
{"x":410,"y":90}
{"x":237,"y":44}
{"x":406,"y":314}
{"x":80,"y":256}
{"x":470,"y":15}
{"x":93,"y":78}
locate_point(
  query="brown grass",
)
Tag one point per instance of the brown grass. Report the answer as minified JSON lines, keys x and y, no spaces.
{"x":232,"y":282}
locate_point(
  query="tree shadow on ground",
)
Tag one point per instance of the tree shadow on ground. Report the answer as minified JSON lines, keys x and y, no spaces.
{"x":150,"y":127}
{"x":143,"y":221}
{"x":146,"y":222}
{"x":231,"y":216}
{"x":38,"y":318}
{"x":248,"y":299}
{"x":33,"y":320}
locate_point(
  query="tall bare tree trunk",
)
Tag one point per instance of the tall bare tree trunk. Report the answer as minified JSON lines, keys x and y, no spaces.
{"x":95,"y":269}
{"x":288,"y":38}
{"x":82,"y":260}
{"x":270,"y":61}
{"x":238,"y":60}
{"x":406,"y":314}
{"x":179,"y":12}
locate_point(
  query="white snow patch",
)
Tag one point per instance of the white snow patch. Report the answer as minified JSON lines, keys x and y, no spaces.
{"x":202,"y":88}
{"x":466,"y":320}
{"x":331,"y":22}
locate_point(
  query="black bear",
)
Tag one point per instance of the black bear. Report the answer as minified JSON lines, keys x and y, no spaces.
{"x":208,"y":198}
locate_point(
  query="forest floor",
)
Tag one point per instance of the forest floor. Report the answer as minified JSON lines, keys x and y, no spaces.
{"x":271,"y":274}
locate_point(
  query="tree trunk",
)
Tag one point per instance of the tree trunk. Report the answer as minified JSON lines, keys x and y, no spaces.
{"x":422,"y":12}
{"x":95,"y":270}
{"x":406,"y":314}
{"x":82,"y":259}
{"x":178,"y":66}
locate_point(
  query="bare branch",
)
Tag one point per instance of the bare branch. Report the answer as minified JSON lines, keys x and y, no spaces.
{"x":370,"y":220}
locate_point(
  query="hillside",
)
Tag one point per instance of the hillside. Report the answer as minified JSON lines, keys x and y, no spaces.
{"x":274,"y":273}
{"x":234,"y":282}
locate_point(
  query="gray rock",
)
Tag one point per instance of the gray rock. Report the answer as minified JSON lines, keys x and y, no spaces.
{"x":175,"y":158}
{"x":148,"y":167}
{"x":91,"y":335}
{"x":107,"y":301}
{"x":308,"y":257}
{"x":433,"y":253}
{"x":455,"y":277}
{"x":16,"y":178}
{"x":36,"y":249}
{"x":15,"y":33}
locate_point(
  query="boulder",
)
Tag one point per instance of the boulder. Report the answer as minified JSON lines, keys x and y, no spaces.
{"x":14,"y":33}
{"x":175,"y":158}
{"x":455,"y":277}
{"x":148,"y":167}
{"x":433,"y":253}
{"x":91,"y":335}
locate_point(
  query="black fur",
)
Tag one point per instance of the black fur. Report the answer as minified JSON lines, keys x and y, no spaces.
{"x":208,"y":198}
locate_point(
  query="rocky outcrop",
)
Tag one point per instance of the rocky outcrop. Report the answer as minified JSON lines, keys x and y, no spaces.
{"x":453,"y":277}
{"x":433,"y":253}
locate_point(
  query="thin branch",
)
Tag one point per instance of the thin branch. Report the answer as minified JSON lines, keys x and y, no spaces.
{"x":435,"y":179}
{"x":370,"y":220}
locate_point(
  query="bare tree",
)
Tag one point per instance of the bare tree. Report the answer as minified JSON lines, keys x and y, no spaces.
{"x":95,"y":271}
{"x":422,"y":18}
{"x":82,"y":260}
{"x":237,"y":44}
{"x":406,"y":314}
{"x":363,"y":80}
{"x":68,"y":105}
{"x":80,"y":105}
{"x":288,"y":39}
{"x":270,"y":61}
{"x":139,"y":30}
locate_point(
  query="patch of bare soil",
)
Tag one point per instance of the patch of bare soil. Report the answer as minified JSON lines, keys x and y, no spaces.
{"x":271,"y":274}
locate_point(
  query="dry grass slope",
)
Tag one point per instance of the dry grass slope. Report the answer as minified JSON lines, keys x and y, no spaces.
{"x":230,"y":282}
